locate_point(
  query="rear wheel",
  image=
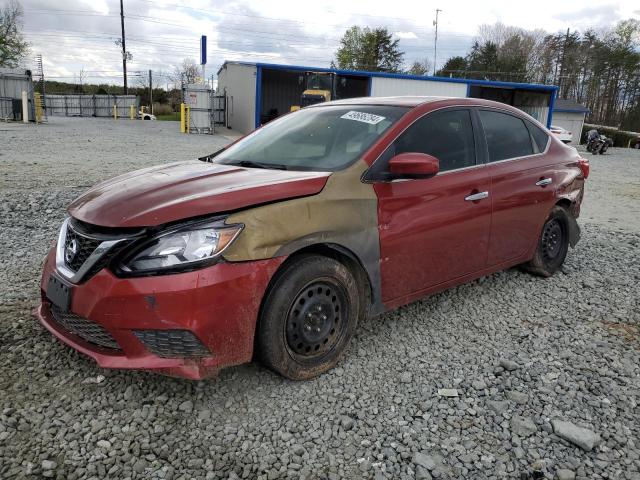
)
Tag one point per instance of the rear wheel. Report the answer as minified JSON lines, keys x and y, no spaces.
{"x":552,"y":245}
{"x":308,"y":317}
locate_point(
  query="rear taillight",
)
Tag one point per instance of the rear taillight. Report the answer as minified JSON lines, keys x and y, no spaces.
{"x":584,"y":166}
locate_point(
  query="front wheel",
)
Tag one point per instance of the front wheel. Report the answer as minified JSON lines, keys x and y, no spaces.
{"x":552,"y":245}
{"x":308,"y":317}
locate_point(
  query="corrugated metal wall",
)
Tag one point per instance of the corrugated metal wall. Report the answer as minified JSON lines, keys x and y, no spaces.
{"x":391,"y":87}
{"x":238,"y":84}
{"x":12,"y":83}
{"x":76,"y":105}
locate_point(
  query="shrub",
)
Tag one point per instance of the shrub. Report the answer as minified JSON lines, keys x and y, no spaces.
{"x":162,"y":109}
{"x":620,"y":138}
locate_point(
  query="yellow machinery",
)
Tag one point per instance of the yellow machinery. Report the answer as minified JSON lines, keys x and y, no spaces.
{"x":320,"y":87}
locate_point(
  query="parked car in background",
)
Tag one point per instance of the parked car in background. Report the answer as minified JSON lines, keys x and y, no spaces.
{"x":142,"y":115}
{"x":562,"y":134}
{"x":277,"y":246}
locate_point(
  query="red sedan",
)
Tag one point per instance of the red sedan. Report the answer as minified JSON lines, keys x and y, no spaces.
{"x":277,"y":246}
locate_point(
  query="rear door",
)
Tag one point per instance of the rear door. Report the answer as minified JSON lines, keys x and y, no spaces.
{"x":522,"y":183}
{"x":431,"y":231}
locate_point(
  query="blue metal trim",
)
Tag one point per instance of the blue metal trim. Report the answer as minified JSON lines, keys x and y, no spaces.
{"x":369,"y":85}
{"x":552,"y":102}
{"x":363,"y":73}
{"x":258,"y":95}
{"x":468,"y":89}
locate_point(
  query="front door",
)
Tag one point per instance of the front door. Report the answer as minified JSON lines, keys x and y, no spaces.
{"x":437,"y":229}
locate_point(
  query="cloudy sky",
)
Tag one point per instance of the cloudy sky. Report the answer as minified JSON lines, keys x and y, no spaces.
{"x":75,"y":35}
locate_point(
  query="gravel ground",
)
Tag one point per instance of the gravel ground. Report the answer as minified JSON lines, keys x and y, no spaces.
{"x":511,"y":376}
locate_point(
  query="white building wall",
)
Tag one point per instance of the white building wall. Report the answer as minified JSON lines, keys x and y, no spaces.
{"x":570,"y":121}
{"x":391,"y":87}
{"x":238,"y":82}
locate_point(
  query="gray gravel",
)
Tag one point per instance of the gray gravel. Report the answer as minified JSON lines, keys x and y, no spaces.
{"x":511,"y":376}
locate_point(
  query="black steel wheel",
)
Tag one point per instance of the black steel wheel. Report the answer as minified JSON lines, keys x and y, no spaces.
{"x":308,"y":316}
{"x":552,"y":238}
{"x":314,"y":324}
{"x":553,"y":244}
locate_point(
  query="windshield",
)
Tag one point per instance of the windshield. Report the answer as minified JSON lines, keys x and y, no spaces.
{"x":326,"y":138}
{"x":318,"y":81}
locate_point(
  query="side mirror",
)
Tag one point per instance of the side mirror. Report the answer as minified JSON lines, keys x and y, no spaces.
{"x":414,"y":165}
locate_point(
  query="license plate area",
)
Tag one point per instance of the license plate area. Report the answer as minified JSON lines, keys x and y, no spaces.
{"x":59,"y":293}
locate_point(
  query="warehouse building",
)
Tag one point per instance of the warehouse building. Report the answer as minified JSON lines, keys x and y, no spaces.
{"x":258,"y":92}
{"x":569,"y":115}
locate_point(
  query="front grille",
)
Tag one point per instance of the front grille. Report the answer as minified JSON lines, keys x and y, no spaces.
{"x":84,"y":247}
{"x":84,"y":328}
{"x":172,"y":343}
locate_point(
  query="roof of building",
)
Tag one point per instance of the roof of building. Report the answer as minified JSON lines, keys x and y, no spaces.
{"x":363,"y":73}
{"x":569,"y":106}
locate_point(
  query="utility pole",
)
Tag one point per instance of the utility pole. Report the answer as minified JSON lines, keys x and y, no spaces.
{"x":435,"y":45}
{"x":150,"y":92}
{"x":124,"y":49}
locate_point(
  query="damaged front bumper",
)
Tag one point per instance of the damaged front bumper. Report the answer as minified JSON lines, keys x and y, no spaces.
{"x":187,"y":324}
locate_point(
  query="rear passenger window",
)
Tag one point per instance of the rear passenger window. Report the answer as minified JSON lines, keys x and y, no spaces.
{"x":540,"y":138}
{"x":507,"y":136}
{"x":447,"y":135}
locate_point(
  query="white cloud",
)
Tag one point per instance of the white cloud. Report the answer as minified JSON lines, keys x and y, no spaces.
{"x":406,"y":35}
{"x":75,"y":34}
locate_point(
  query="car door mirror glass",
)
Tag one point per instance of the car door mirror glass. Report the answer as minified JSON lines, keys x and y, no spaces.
{"x":413,"y":165}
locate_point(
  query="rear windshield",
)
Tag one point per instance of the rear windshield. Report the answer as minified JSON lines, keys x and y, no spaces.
{"x":326,"y":138}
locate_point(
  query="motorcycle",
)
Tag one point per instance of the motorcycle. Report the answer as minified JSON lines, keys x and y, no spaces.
{"x":597,"y":143}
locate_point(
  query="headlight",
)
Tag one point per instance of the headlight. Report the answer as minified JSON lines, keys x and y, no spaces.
{"x":187,"y":247}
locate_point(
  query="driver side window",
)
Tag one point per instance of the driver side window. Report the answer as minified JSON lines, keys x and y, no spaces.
{"x":445,"y":134}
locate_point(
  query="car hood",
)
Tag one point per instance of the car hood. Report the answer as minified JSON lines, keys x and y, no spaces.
{"x":166,"y":193}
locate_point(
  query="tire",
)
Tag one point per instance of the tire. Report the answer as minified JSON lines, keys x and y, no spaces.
{"x":553,"y":244}
{"x":308,"y":317}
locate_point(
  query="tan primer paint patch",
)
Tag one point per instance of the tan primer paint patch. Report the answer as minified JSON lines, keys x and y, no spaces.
{"x":344,"y":211}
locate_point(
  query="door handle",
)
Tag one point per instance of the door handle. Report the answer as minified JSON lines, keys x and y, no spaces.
{"x":543,"y":182}
{"x":474,"y":197}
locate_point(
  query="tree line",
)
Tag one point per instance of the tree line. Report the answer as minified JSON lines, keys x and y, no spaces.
{"x":598,"y":68}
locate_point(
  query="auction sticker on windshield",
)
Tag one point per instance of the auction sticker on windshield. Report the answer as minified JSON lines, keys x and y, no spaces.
{"x":369,"y":118}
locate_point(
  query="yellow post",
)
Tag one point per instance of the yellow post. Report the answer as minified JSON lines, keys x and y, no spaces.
{"x":115,"y":112}
{"x":188,"y":125}
{"x":182,"y":112}
{"x":38,"y":99}
{"x":132,"y":114}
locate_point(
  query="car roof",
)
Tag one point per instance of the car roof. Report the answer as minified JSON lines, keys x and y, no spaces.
{"x":401,"y":101}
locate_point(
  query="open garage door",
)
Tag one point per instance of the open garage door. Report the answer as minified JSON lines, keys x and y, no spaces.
{"x":281,"y":89}
{"x":535,"y":103}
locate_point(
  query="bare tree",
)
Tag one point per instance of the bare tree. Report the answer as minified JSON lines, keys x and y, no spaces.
{"x":187,"y":72}
{"x":420,"y":67}
{"x":13,"y":47}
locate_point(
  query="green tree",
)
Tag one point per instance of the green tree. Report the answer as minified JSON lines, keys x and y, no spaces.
{"x":13,"y":47}
{"x":455,"y":67}
{"x":369,"y":49}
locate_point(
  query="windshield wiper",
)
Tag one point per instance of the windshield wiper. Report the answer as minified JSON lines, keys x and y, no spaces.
{"x":252,"y":164}
{"x":209,"y":158}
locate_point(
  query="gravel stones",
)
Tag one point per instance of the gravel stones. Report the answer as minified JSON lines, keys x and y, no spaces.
{"x":577,"y":349}
{"x":582,"y":437}
{"x":425,"y":460}
{"x":565,"y":474}
{"x":523,"y":427}
{"x":509,"y":365}
{"x":517,"y":397}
